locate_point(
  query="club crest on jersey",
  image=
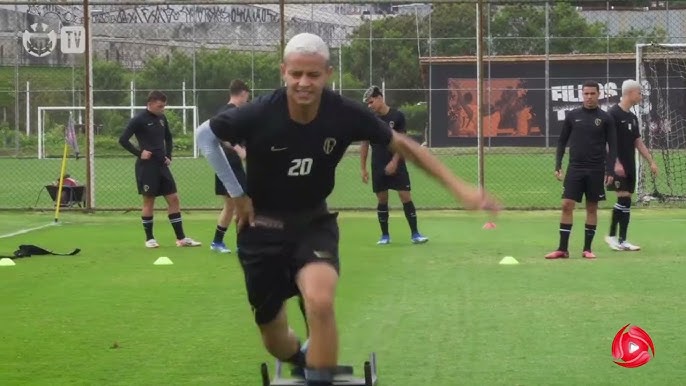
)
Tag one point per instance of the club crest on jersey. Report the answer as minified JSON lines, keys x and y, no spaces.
{"x":391,"y":124}
{"x":162,"y":122}
{"x":617,"y":184}
{"x":598,"y":121}
{"x":329,"y":144}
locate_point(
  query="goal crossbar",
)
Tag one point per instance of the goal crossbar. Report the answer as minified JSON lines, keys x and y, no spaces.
{"x":43,"y":109}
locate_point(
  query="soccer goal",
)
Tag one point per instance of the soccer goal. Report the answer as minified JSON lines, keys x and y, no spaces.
{"x":59,"y":114}
{"x":661,"y":69}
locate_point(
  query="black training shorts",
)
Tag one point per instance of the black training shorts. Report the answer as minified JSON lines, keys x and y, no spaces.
{"x":273,"y":252}
{"x":399,"y":181}
{"x":580,"y":181}
{"x":154,"y":178}
{"x":220,"y":189}
{"x":624,"y":184}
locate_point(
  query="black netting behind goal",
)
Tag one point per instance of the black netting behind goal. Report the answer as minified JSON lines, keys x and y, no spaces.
{"x":663,"y":116}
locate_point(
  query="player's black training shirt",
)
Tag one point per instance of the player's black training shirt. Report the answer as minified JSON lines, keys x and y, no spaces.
{"x":231,"y":155}
{"x":291,"y":166}
{"x":627,"y":133}
{"x":152,"y":133}
{"x":381,"y":155}
{"x":588,"y":131}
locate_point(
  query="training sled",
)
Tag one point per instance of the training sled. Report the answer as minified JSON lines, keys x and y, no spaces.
{"x":343,"y":375}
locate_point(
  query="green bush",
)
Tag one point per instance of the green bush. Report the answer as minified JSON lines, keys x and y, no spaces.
{"x":416,"y":118}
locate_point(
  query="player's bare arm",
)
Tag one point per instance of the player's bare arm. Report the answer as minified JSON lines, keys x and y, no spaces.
{"x":364,"y":152}
{"x":611,"y":135}
{"x":645,"y":153}
{"x":470,"y":196}
{"x":561,"y":146}
{"x":392,"y":165}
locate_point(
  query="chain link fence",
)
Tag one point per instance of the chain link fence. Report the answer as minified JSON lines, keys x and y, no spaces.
{"x":536,"y":54}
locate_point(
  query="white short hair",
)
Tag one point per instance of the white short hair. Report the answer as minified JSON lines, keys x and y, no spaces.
{"x":629,"y":85}
{"x":307,"y":43}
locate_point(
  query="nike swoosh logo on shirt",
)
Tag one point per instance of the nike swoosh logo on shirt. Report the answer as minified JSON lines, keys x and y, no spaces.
{"x":274,"y":148}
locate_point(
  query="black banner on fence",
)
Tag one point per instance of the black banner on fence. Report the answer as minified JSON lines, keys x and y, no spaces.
{"x":515,"y":96}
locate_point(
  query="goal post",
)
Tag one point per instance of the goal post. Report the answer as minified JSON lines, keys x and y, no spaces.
{"x":661,"y":71}
{"x":43,"y":109}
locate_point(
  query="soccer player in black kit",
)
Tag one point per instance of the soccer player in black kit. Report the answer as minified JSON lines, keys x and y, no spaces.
{"x":589,"y":131}
{"x":239,"y":93}
{"x":153,"y":176}
{"x":288,"y":240}
{"x":628,"y":141}
{"x":388,"y":170}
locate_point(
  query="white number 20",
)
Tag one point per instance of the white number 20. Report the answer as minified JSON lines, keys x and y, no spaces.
{"x":300,"y":167}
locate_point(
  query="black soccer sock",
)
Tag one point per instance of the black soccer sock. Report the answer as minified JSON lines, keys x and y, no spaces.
{"x":318,"y":377}
{"x":177,"y":224}
{"x":617,"y":212}
{"x":624,"y":219}
{"x":382,"y":214}
{"x":147,"y":226}
{"x":298,"y":359}
{"x":219,"y":234}
{"x":565,"y":231}
{"x":588,"y":236}
{"x":411,"y":216}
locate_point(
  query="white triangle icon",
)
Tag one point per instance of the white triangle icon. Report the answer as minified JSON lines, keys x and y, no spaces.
{"x":632,"y":347}
{"x":509,"y":260}
{"x":164,"y":260}
{"x":6,"y":262}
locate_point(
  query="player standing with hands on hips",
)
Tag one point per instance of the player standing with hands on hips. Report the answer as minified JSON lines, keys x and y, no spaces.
{"x":628,"y":141}
{"x":592,"y":139}
{"x":288,"y":240}
{"x":153,"y":176}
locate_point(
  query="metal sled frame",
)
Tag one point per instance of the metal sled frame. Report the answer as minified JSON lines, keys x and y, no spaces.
{"x":343,"y":377}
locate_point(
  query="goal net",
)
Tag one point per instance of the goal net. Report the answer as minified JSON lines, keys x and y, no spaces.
{"x":661,"y":69}
{"x":109,"y":123}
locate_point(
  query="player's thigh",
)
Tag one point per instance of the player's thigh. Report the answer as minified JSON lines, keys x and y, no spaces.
{"x":594,"y":185}
{"x":264,"y":254}
{"x":400,"y":181}
{"x":147,"y":178}
{"x":167,"y":182}
{"x":574,"y":185}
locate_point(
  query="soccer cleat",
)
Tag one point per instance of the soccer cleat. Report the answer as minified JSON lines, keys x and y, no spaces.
{"x":419,"y":239}
{"x":385,"y":239}
{"x":588,"y":255}
{"x":557,"y":255}
{"x":219,"y":247}
{"x":152,"y":243}
{"x":627,"y":246}
{"x":613,"y":243}
{"x":188,"y":242}
{"x":298,"y":371}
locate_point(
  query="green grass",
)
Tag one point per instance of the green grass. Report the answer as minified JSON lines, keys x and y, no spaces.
{"x":444,"y":313}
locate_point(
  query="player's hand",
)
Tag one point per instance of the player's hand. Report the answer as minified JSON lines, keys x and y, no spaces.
{"x":365,"y":176}
{"x":479,"y":199}
{"x":653,"y":168}
{"x":608,"y":179}
{"x":245,"y":214}
{"x":391,"y":168}
{"x":619,"y":169}
{"x":146,"y":154}
{"x":559,"y":174}
{"x":167,"y":161}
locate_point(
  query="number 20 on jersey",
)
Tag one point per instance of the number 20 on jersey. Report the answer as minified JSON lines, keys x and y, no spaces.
{"x":300,"y":167}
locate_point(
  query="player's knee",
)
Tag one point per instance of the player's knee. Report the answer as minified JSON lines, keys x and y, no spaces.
{"x":405,"y":196}
{"x":318,"y":287}
{"x":568,"y":206}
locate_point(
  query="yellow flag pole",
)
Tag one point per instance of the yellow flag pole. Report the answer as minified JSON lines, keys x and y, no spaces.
{"x":58,"y":204}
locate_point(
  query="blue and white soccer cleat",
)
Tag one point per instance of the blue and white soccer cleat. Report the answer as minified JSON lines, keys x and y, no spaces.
{"x":219,"y":247}
{"x":419,"y":239}
{"x":385,"y":239}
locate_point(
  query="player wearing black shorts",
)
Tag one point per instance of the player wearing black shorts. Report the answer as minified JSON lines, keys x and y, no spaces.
{"x":628,"y":140}
{"x":239,"y":93}
{"x":153,"y":176}
{"x":589,"y":131}
{"x":388,"y":170}
{"x":288,"y":239}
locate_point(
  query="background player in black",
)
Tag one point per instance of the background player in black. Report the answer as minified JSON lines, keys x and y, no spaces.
{"x":295,"y":137}
{"x":388,"y":170}
{"x":589,"y":131}
{"x":628,"y":140}
{"x":153,"y":176}
{"x":239,"y":93}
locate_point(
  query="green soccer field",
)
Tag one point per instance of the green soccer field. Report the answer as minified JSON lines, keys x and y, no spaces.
{"x":443,"y":313}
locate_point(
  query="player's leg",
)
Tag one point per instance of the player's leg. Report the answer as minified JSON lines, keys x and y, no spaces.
{"x":401,"y":183}
{"x":573,"y":189}
{"x":626,"y":190}
{"x":223,"y":223}
{"x":317,"y":281}
{"x":617,"y":213}
{"x":595,"y":192}
{"x":168,"y":190}
{"x":147,"y":183}
{"x":382,"y":211}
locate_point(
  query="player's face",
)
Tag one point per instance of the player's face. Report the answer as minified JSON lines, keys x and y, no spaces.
{"x":634,"y":96}
{"x":305,"y":76}
{"x":243,"y":98}
{"x":375,"y":103}
{"x":157,"y":107}
{"x":590,"y":97}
